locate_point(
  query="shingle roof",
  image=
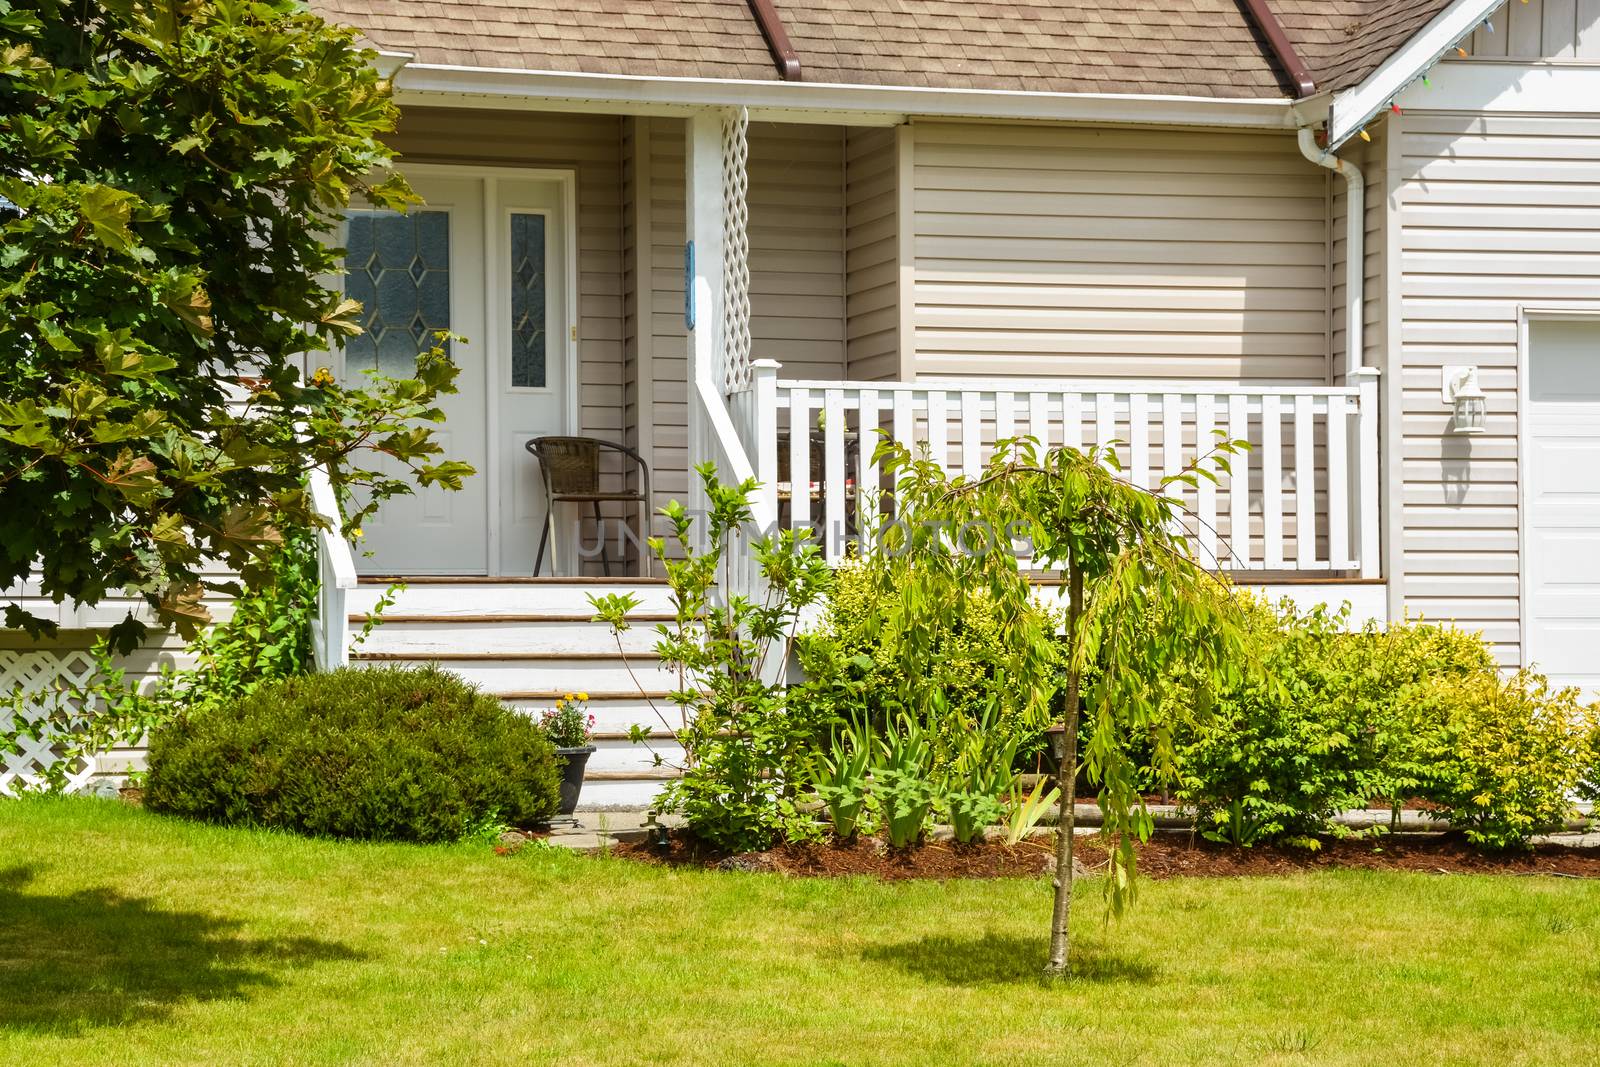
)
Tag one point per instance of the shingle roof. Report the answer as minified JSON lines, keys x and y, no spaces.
{"x":1343,"y":41}
{"x":1168,"y":47}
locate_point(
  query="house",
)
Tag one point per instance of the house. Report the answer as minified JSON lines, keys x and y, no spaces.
{"x":760,"y":233}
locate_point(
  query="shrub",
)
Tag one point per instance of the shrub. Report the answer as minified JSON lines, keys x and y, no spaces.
{"x":394,"y":754}
{"x":746,"y":745}
{"x":857,"y":669}
{"x":1326,"y":727}
{"x":1502,"y":757}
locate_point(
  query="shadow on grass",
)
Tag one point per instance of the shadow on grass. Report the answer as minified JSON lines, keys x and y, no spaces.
{"x":97,"y":958}
{"x":992,"y":958}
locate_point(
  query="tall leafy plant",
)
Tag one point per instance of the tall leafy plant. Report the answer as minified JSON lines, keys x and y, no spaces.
{"x":745,"y":748}
{"x":1122,"y":558}
{"x":168,"y":174}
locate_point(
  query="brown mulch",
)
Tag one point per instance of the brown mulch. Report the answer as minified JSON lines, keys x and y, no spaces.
{"x":1167,"y":855}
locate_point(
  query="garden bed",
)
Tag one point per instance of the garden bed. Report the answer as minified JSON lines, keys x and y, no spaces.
{"x":1167,"y":855}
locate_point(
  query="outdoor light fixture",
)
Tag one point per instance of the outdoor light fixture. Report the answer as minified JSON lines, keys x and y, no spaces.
{"x":1467,"y":403}
{"x":1058,"y":744}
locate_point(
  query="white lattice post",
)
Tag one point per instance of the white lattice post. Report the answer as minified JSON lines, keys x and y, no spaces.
{"x":703,"y":281}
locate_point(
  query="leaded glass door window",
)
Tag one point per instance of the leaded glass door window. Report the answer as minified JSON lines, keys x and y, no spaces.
{"x":529,"y":318}
{"x":398,"y":266}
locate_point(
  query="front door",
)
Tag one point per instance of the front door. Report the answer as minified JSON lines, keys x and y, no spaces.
{"x":484,"y":257}
{"x":1562,"y":468}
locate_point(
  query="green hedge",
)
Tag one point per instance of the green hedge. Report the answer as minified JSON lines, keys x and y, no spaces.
{"x":1337,"y":720}
{"x":399,"y":754}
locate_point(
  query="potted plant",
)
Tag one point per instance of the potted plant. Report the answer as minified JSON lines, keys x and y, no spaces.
{"x":569,"y":725}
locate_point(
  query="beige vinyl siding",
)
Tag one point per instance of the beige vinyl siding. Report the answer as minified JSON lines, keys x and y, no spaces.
{"x":797,"y":248}
{"x":872,"y":255}
{"x":1080,"y":253}
{"x":669,"y":346}
{"x":1499,"y":211}
{"x":797,"y":268}
{"x":592,"y":146}
{"x":1541,"y":29}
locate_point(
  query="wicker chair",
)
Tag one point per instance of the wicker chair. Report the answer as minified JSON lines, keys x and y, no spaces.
{"x":570,"y":467}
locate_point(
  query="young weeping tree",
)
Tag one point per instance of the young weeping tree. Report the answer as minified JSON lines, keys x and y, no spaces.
{"x":1148,"y":632}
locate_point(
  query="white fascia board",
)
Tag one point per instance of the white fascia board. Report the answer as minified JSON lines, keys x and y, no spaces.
{"x":1509,"y":86}
{"x":1354,"y":108}
{"x":444,"y":85}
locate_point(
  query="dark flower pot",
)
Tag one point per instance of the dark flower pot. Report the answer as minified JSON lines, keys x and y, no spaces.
{"x":573,"y":762}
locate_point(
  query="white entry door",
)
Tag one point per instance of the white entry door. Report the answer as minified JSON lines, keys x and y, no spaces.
{"x":486,"y":257}
{"x":416,"y":273}
{"x":1562,"y":471}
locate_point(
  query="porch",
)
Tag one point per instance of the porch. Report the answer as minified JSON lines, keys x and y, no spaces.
{"x":774,"y":297}
{"x":710,"y":284}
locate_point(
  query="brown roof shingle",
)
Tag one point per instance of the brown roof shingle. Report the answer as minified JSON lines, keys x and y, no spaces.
{"x":1163,"y":47}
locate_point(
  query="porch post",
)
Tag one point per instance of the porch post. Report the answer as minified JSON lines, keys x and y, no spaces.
{"x":703,"y":279}
{"x":1371,"y":494}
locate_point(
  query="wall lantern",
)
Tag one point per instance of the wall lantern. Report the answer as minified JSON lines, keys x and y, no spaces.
{"x":1468,"y":405}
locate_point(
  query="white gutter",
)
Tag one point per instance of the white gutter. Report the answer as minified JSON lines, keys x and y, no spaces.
{"x":1355,"y":107}
{"x":1355,"y":243}
{"x":425,"y":83}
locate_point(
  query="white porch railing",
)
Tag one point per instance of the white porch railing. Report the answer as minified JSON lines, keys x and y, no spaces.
{"x":336,"y":576}
{"x":1303,"y":498}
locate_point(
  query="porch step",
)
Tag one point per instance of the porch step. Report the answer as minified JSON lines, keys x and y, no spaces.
{"x":528,"y":642}
{"x":440,"y":635}
{"x":545,"y":598}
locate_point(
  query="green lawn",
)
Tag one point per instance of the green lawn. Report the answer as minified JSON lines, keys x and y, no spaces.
{"x":128,"y":938}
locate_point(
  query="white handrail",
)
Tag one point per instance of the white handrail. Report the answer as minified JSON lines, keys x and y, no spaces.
{"x":336,"y":576}
{"x":1303,"y":498}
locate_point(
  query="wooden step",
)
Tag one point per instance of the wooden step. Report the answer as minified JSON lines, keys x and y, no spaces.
{"x":638,"y":620}
{"x":451,"y":638}
{"x":479,"y":579}
{"x":565,"y":672}
{"x":563,"y":600}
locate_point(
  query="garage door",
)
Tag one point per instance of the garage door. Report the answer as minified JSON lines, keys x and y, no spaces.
{"x":1562,"y":469}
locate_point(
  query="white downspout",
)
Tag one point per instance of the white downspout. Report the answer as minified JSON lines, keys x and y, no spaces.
{"x":1355,"y":246}
{"x":1364,"y":491}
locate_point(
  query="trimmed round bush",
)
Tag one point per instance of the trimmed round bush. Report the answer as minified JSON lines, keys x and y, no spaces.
{"x":397,"y":754}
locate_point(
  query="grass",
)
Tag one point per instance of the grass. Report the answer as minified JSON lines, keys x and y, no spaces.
{"x":129,"y":938}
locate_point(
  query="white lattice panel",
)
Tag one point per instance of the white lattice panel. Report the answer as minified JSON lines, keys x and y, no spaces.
{"x":736,"y":253}
{"x":45,"y":679}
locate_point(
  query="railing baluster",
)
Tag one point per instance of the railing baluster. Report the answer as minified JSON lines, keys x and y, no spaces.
{"x":1205,"y":421}
{"x":1005,"y":415}
{"x":1039,"y":419}
{"x":833,"y":472}
{"x":939,"y":428}
{"x":1172,"y":440}
{"x":1239,"y":484}
{"x":1105,"y":420}
{"x":1271,"y":482}
{"x":1139,"y":438}
{"x":1305,"y":483}
{"x":799,"y":458}
{"x":971,"y":433}
{"x":1072,"y":420}
{"x":867,"y":489}
{"x":1338,"y":485}
{"x":905,"y":429}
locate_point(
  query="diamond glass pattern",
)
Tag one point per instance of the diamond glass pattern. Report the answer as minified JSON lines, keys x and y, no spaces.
{"x":527,"y":301}
{"x":398,"y":266}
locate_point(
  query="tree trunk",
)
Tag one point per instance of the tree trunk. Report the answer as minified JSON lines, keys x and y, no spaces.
{"x":1067,"y":776}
